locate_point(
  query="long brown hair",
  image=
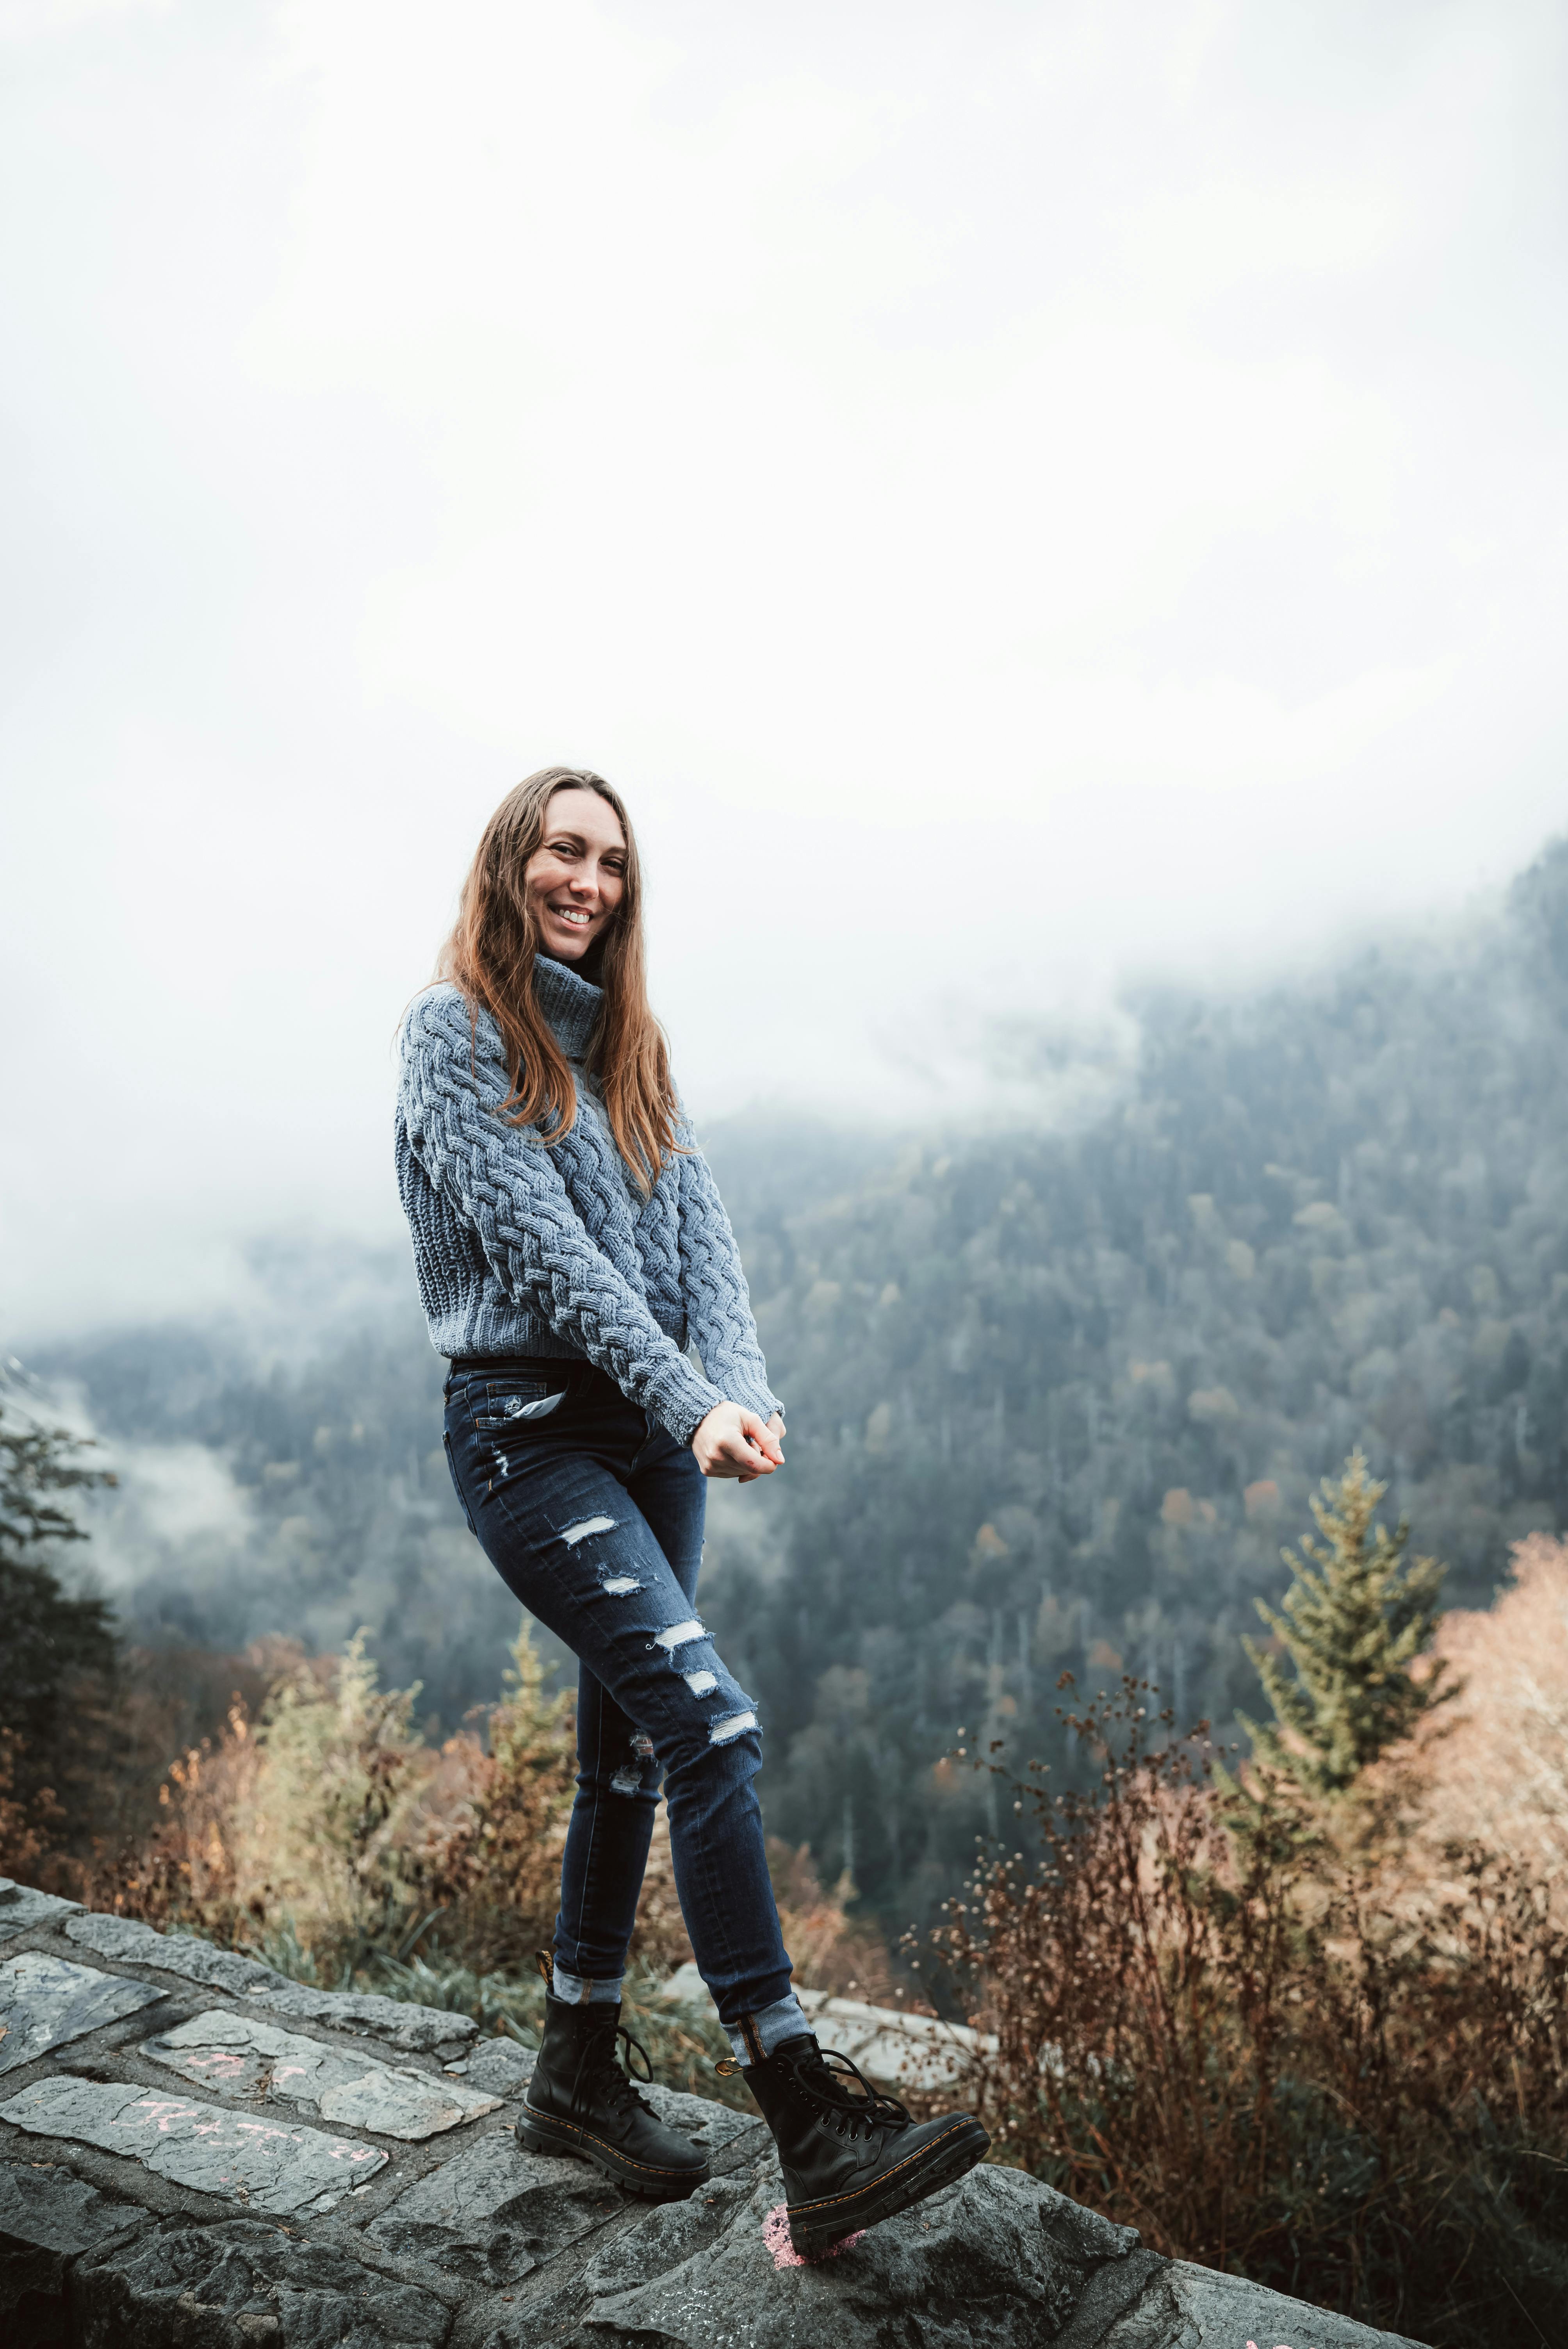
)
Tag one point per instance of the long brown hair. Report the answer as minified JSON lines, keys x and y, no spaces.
{"x":489,"y":955}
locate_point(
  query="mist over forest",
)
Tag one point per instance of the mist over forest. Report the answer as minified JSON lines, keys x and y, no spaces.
{"x":1055,"y":1399}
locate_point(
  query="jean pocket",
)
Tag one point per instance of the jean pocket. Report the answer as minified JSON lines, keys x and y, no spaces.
{"x":462,"y":1499}
{"x":506,"y":1404}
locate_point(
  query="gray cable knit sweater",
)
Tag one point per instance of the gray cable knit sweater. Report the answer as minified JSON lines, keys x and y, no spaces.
{"x":524,"y":1251}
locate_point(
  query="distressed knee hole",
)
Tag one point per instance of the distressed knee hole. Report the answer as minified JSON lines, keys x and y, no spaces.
{"x":620,"y":1586}
{"x":732,"y":1726}
{"x":580,"y":1532}
{"x":701,"y":1683}
{"x":678,"y":1635}
{"x":628,"y":1778}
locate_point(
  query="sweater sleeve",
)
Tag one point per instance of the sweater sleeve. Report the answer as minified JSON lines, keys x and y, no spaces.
{"x":505,"y":1182}
{"x":718,"y":1303}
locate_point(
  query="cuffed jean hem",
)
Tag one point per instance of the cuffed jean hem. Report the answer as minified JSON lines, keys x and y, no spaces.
{"x":572,"y":1990}
{"x":769,"y":2028}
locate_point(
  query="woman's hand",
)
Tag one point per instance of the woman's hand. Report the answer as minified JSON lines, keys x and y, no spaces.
{"x":732,"y":1442}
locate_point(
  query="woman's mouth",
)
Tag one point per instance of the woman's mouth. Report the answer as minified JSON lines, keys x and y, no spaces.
{"x":577,"y":917}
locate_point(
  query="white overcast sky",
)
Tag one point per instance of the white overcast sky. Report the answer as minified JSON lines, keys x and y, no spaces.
{"x":1016,"y":492}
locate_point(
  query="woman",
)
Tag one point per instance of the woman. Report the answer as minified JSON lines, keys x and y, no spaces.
{"x":570,"y":1244}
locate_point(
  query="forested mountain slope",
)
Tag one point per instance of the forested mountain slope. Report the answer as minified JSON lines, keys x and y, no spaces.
{"x":1054,"y":1401}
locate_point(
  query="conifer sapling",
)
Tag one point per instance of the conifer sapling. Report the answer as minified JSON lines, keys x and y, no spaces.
{"x":1353,"y":1624}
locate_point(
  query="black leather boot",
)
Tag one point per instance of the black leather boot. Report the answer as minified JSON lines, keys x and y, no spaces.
{"x":850,"y":2154}
{"x":581,"y":2102}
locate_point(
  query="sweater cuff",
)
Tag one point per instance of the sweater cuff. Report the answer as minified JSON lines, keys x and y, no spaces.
{"x":761,"y":1400}
{"x":681,"y":1401}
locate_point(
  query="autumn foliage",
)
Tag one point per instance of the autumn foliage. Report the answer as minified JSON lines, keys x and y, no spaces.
{"x":1320,"y":2041}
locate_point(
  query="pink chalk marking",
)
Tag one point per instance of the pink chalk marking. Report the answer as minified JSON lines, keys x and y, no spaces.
{"x":170,"y":2112}
{"x":289,"y":2071}
{"x":776,"y":2235}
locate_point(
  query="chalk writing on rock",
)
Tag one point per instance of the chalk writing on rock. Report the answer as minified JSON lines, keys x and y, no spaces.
{"x":264,"y":2165}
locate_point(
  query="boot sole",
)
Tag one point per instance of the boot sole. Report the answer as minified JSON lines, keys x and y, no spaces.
{"x":817,"y":2226}
{"x":538,"y":2134}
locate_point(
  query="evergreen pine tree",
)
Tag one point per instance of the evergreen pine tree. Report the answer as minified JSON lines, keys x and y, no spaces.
{"x":54,"y":1643}
{"x":1352,"y":1624}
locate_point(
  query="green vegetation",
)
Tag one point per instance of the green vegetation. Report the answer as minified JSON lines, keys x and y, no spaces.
{"x":61,"y":1653}
{"x":1056,"y":1398}
{"x":1353,"y":1629}
{"x":1055,"y":1401}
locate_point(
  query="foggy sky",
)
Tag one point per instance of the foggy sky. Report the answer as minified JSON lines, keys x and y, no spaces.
{"x":1014,"y":494}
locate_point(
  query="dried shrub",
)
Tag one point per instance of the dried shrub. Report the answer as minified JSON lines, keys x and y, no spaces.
{"x":660,"y":1939}
{"x":830,"y":1951}
{"x":1212,"y":2020}
{"x":331,"y":1828}
{"x":29,"y":1816}
{"x":187,"y":1869}
{"x":494,"y":1820}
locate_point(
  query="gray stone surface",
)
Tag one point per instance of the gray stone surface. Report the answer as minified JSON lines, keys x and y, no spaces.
{"x":242,"y":2056}
{"x":267,"y":2165}
{"x":241,"y":2283}
{"x":418,"y":2030}
{"x":47,"y":2218}
{"x":998,"y":2262}
{"x":972,"y":2269}
{"x":124,"y":1939}
{"x":21,"y":1908}
{"x":500,"y":2067}
{"x":45,"y":2001}
{"x":1207,"y":2309}
{"x":114,"y":2229}
{"x":494,"y":2213}
{"x":711,"y":2126}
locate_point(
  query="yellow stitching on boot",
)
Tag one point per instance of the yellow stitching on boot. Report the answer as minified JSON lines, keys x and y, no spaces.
{"x":828,"y":2201}
{"x":651,"y":2167}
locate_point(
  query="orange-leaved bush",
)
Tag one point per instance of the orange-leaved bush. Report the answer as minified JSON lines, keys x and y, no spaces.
{"x":1270,"y":2051}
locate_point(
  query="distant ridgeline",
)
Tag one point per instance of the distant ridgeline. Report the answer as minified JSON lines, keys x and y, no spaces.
{"x":1055,"y":1402}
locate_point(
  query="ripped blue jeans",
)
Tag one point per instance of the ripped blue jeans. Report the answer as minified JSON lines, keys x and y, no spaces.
{"x":593,"y":1516}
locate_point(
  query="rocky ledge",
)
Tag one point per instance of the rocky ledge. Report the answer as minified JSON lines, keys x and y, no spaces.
{"x":198,"y":2154}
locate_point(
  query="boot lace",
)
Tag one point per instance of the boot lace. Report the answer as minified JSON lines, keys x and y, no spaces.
{"x":822,"y":2077}
{"x":600,"y":2079}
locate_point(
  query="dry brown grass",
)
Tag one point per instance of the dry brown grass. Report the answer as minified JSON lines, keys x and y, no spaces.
{"x":29,"y":1818}
{"x":330,"y":1817}
{"x":829,"y":1950}
{"x":1212,"y":2021}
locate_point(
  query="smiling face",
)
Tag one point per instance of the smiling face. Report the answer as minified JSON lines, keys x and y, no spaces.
{"x":576,"y":877}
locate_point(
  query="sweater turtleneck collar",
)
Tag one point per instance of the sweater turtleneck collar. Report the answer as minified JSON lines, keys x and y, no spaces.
{"x":571,"y":1004}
